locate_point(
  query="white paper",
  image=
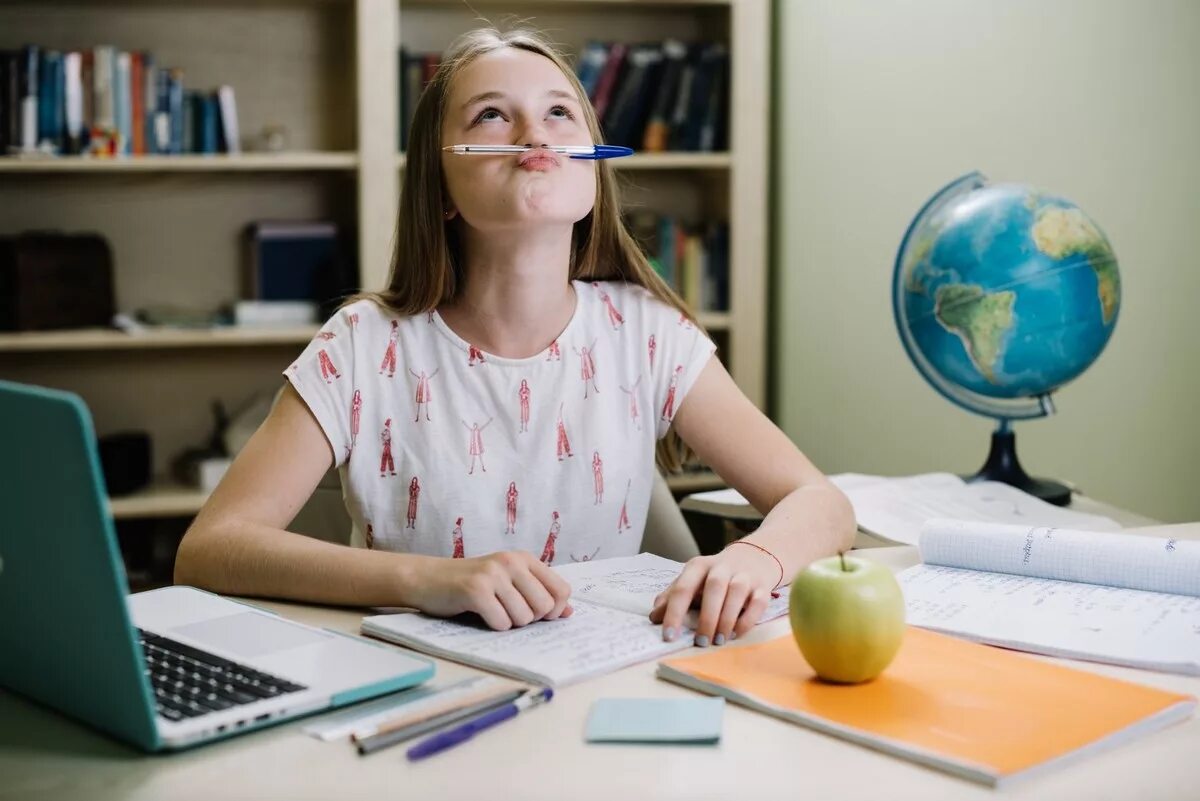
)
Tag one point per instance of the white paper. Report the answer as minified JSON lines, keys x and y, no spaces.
{"x":896,"y":509}
{"x":1155,"y":564}
{"x":610,"y":627}
{"x":631,"y":583}
{"x":1120,"y":626}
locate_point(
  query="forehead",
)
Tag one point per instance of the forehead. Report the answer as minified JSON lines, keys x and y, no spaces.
{"x":511,"y":71}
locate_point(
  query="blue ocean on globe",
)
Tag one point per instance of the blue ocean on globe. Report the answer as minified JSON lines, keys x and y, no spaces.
{"x":1004,"y":292}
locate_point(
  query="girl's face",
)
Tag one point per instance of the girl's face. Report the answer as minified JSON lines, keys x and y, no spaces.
{"x":514,"y":97}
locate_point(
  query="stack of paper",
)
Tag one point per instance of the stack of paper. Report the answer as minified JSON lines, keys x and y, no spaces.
{"x":896,"y":508}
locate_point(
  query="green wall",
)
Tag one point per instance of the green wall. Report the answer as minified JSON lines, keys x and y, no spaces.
{"x":878,"y":105}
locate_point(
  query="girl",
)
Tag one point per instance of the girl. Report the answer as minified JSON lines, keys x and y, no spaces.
{"x":499,"y":261}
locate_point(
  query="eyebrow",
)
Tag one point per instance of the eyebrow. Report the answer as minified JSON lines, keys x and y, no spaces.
{"x":479,"y":98}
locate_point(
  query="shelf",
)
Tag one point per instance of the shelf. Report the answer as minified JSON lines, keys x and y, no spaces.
{"x":244,"y":162}
{"x":715,"y":321}
{"x":694,"y":482}
{"x":573,"y":4}
{"x":158,"y":500}
{"x":99,"y":339}
{"x":657,"y":161}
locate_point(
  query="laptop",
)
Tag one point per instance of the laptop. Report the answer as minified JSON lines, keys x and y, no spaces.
{"x":162,"y":669}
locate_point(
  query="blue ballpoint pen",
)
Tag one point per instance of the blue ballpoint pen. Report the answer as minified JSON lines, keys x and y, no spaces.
{"x":460,"y":734}
{"x":591,"y":152}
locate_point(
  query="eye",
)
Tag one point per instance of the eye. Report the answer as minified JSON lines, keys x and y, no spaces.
{"x":563,"y":110}
{"x":483,"y":115}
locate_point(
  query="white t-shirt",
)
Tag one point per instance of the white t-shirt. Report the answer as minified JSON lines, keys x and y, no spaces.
{"x":446,"y":450}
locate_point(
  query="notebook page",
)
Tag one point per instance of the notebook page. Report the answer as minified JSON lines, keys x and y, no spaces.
{"x":1060,"y":618}
{"x":631,"y":583}
{"x":1117,"y":560}
{"x":593,"y":640}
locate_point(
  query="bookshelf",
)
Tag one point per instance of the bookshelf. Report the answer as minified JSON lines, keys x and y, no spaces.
{"x":326,"y":70}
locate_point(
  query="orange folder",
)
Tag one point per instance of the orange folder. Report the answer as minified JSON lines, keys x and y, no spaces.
{"x":980,"y":712}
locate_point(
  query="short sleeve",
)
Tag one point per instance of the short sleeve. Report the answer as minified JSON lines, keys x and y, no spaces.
{"x":323,"y":376}
{"x":681,"y":350}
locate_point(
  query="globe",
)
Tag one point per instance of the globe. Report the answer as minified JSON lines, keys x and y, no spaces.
{"x":1001,"y":295}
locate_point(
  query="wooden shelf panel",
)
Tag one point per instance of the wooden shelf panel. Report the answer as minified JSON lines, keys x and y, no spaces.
{"x":158,"y":500}
{"x":219,"y":162}
{"x":100,"y":339}
{"x":657,"y":161}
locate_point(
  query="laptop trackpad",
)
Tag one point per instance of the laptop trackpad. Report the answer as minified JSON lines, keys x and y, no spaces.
{"x":250,"y":634}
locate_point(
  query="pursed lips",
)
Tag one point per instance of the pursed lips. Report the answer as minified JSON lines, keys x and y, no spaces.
{"x":540,"y":160}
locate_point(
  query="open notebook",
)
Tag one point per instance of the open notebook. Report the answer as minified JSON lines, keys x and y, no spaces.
{"x":609,"y":629}
{"x":982,"y":713}
{"x":895,"y":508}
{"x":1115,"y":598}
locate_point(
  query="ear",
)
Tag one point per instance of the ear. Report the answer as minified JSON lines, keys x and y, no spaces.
{"x":449,"y":214}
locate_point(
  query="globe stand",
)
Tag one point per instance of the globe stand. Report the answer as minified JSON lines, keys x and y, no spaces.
{"x":1002,"y":465}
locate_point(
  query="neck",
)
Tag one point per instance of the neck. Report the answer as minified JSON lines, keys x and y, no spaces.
{"x":516,"y":297}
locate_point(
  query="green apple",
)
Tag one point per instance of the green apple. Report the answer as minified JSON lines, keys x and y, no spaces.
{"x":847,"y":616}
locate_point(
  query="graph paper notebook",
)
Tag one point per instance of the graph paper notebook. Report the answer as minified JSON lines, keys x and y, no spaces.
{"x":985,"y":714}
{"x":1115,"y":598}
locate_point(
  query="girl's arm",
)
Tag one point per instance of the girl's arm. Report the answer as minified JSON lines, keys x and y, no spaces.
{"x":807,"y":517}
{"x":237,"y":543}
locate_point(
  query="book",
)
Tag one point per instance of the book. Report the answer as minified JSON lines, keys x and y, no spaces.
{"x":981,"y":713}
{"x":609,"y":629}
{"x":658,"y":125}
{"x":1114,"y":598}
{"x":229,"y":130}
{"x":895,"y":509}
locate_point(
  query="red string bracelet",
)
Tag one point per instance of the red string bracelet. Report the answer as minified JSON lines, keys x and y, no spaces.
{"x":774,"y":594}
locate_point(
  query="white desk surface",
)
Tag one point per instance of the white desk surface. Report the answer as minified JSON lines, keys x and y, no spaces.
{"x":541,"y":755}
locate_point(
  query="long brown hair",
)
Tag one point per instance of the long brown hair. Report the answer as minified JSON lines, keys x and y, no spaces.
{"x":427,"y":264}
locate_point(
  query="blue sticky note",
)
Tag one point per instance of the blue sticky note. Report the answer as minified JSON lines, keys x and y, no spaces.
{"x":655,"y":720}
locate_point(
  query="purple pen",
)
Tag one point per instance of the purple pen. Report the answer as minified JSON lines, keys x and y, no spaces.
{"x":460,"y":734}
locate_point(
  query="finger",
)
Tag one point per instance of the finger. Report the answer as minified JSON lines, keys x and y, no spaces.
{"x":736,"y":597}
{"x":680,"y":595}
{"x":556,"y":585}
{"x":540,"y":601}
{"x":567,"y":611}
{"x":515,"y":605}
{"x":753,"y":612}
{"x":656,"y":611}
{"x":716,"y":585}
{"x":493,"y":614}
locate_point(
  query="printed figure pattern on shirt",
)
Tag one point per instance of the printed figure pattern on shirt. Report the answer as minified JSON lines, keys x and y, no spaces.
{"x":479,"y":453}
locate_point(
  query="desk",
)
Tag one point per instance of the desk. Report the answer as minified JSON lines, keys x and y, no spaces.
{"x":542,"y":755}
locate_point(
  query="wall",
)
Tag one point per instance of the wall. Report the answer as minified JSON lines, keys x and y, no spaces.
{"x":880,"y":104}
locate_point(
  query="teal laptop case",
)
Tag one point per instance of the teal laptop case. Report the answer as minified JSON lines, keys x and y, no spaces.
{"x":65,"y":635}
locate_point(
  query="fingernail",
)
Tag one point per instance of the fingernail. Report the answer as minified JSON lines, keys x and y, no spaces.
{"x":733,"y":635}
{"x":719,"y":639}
{"x":668,"y":634}
{"x":702,"y":641}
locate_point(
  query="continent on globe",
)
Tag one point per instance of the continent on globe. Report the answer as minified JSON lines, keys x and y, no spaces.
{"x":980,"y":319}
{"x":1060,"y":233}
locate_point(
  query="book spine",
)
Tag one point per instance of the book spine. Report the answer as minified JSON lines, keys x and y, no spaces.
{"x":4,"y":106}
{"x":656,"y":137}
{"x":591,"y":65}
{"x":175,"y":109}
{"x":49,"y":128}
{"x":124,"y":106}
{"x":137,"y":105}
{"x":162,"y":111}
{"x":606,"y":86}
{"x":102,"y":88}
{"x":73,"y":101}
{"x":87,"y":89}
{"x":209,"y":124}
{"x":29,"y":97}
{"x":230,"y":131}
{"x":149,"y":101}
{"x":191,"y":122}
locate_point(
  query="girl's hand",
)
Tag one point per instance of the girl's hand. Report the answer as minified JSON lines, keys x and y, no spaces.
{"x":732,"y":588}
{"x":506,"y":589}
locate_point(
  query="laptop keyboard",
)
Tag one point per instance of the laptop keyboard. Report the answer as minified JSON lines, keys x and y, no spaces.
{"x":189,"y":682}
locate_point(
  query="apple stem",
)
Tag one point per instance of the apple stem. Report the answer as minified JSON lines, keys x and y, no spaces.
{"x":842,"y":556}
